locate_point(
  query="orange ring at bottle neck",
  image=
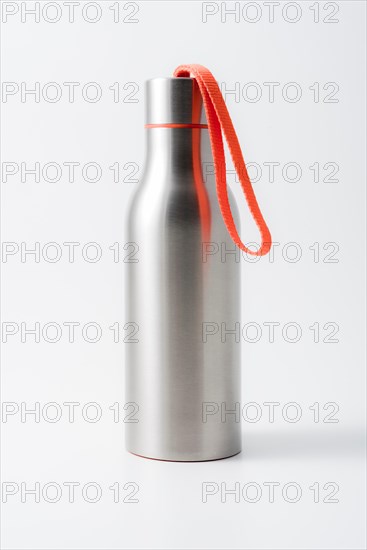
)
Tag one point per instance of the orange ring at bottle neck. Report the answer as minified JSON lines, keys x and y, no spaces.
{"x":173,"y":125}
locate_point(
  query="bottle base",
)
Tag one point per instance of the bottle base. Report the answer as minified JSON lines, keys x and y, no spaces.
{"x":186,"y":459}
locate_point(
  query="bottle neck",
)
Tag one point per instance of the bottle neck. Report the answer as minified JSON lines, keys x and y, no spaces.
{"x":173,"y":151}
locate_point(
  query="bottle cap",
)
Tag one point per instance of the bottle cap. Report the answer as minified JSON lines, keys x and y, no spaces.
{"x":174,"y":101}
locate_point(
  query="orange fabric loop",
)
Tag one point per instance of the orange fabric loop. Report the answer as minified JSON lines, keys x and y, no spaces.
{"x":219,"y":120}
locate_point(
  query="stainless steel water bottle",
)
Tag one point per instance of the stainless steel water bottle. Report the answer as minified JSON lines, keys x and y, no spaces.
{"x":183,"y":292}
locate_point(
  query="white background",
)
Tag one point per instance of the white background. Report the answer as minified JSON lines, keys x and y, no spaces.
{"x":170,"y":512}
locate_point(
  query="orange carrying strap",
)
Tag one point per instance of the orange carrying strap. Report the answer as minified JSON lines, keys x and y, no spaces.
{"x":220,"y":121}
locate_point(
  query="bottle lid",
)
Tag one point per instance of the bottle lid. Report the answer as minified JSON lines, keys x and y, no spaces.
{"x":174,"y":101}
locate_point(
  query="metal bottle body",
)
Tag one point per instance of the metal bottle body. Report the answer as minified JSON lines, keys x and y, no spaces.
{"x":183,"y":293}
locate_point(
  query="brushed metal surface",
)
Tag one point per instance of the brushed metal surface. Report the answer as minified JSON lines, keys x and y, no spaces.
{"x":172,"y":100}
{"x":171,"y":291}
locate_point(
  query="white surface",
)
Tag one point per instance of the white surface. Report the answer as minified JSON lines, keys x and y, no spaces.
{"x":170,"y":512}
